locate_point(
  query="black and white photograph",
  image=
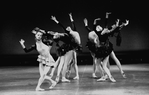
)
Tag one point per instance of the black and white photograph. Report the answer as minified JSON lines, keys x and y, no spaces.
{"x":74,"y":47}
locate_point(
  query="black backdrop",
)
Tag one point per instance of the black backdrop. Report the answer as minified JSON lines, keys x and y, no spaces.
{"x":19,"y":18}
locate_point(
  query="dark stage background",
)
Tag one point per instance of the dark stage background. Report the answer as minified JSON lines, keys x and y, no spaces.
{"x":19,"y":18}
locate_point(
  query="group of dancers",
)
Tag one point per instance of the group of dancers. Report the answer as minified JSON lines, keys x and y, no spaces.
{"x":68,"y":44}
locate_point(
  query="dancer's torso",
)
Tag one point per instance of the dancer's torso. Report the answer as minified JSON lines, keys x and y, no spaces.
{"x":43,"y":49}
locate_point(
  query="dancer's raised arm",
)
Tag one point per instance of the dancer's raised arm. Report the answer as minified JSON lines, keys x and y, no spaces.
{"x":95,"y":21}
{"x":125,"y":24}
{"x":22,"y":43}
{"x":86,"y":25}
{"x":26,"y":49}
{"x":70,"y":15}
{"x":55,"y":20}
{"x":72,"y":21}
{"x":106,"y":19}
{"x":95,"y":24}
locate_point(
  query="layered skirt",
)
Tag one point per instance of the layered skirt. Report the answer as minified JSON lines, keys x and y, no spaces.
{"x":101,"y":51}
{"x":46,"y":60}
{"x":64,"y":48}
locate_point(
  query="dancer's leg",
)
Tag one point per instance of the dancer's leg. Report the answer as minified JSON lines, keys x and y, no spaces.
{"x":68,"y":57}
{"x":41,"y":69}
{"x":46,"y":70}
{"x":59,"y":68}
{"x":99,"y":64}
{"x":75,"y":65}
{"x":108,"y":64}
{"x":94,"y":66}
{"x":68,"y":72}
{"x":113,"y":56}
{"x":101,"y":70}
{"x":41,"y":79}
{"x":104,"y":64}
{"x":55,"y":66}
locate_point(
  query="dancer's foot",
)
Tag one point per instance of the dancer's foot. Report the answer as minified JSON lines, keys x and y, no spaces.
{"x":112,"y":79}
{"x":57,"y":79}
{"x":124,"y":76}
{"x":53,"y":85}
{"x":103,"y":78}
{"x":65,"y":80}
{"x":39,"y":89}
{"x":94,"y":75}
{"x":76,"y":78}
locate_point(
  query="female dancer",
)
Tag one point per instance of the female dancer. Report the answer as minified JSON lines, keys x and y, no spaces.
{"x":78,"y":41}
{"x":63,"y":48}
{"x":71,"y":42}
{"x":45,"y":59}
{"x":118,"y":42}
{"x":93,"y":41}
{"x":104,"y":48}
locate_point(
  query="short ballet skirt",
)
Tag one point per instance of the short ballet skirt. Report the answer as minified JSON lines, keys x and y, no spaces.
{"x":63,"y":49}
{"x":91,"y":46}
{"x":46,"y":60}
{"x":102,"y":51}
{"x":77,"y":47}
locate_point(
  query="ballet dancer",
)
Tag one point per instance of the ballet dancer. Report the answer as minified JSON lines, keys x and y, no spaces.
{"x":118,"y":42}
{"x":71,"y":43}
{"x":92,"y":43}
{"x":104,"y":48}
{"x":64,"y":52}
{"x":112,"y":55}
{"x":78,"y":41}
{"x":46,"y":61}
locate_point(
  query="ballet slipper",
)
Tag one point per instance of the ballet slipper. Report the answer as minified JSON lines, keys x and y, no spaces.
{"x":76,"y":78}
{"x":65,"y":80}
{"x":124,"y":76}
{"x":53,"y":85}
{"x":94,"y":75}
{"x":112,"y":79}
{"x":102,"y":79}
{"x":105,"y":77}
{"x":39,"y":89}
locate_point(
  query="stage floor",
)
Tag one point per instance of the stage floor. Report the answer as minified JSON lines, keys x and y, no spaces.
{"x":23,"y":80}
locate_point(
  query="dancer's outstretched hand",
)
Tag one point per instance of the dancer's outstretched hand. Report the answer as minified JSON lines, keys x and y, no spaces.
{"x":85,"y":22}
{"x":70,"y":15}
{"x":21,"y":41}
{"x":54,"y":19}
{"x":127,"y":22}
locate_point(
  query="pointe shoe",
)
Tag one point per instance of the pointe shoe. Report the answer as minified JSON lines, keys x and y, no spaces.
{"x":76,"y":78}
{"x":65,"y":80}
{"x":39,"y":89}
{"x":53,"y":85}
{"x":103,"y":78}
{"x":124,"y":76}
{"x":94,"y":75}
{"x":112,"y":79}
